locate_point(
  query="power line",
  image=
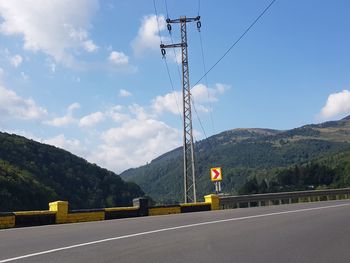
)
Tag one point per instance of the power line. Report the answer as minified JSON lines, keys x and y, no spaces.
{"x":155,"y":10}
{"x":166,"y":63}
{"x":172,"y":87}
{"x":206,"y":81}
{"x":166,"y":8}
{"x":199,"y":6}
{"x":238,"y":40}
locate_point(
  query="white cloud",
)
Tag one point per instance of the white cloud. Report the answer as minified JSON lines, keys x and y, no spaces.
{"x":91,"y":119}
{"x":61,"y":121}
{"x":172,"y":102}
{"x":338,"y":104}
{"x":90,"y":46}
{"x":12,"y":105}
{"x":134,"y":143}
{"x":116,"y":114}
{"x":73,"y":106}
{"x":148,"y":36}
{"x":66,"y":119}
{"x":118,"y":58}
{"x":175,"y":55}
{"x":57,"y":28}
{"x":2,"y":73}
{"x":124,"y":93}
{"x":16,"y":61}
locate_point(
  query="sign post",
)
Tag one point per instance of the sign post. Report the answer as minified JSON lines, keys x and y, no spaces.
{"x":216,"y":177}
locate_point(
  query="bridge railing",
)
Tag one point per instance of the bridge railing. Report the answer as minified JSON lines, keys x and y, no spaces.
{"x":227,"y":202}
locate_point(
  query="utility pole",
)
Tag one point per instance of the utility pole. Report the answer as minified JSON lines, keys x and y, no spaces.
{"x":188,"y":146}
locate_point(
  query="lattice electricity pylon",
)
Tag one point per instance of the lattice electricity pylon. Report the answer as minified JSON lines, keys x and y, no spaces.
{"x":188,"y":146}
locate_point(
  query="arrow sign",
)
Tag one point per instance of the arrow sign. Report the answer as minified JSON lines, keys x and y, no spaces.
{"x":215,"y":174}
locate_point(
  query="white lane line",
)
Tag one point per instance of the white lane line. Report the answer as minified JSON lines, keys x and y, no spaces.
{"x":169,"y":229}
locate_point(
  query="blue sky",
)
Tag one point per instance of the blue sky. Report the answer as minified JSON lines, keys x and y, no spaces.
{"x":87,"y":75}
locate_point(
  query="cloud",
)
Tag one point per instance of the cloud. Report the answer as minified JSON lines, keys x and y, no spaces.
{"x":172,"y":102}
{"x":116,"y":114}
{"x":91,"y":119}
{"x":135,"y":142}
{"x":57,"y":28}
{"x":118,"y":58}
{"x":61,"y":121}
{"x":66,"y":119}
{"x":12,"y":105}
{"x":2,"y":73}
{"x":16,"y":61}
{"x":147,"y":36}
{"x":90,"y":46}
{"x":338,"y":104}
{"x":124,"y":93}
{"x":73,"y":106}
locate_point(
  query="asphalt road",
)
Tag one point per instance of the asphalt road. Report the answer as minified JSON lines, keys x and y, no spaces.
{"x":313,"y":232}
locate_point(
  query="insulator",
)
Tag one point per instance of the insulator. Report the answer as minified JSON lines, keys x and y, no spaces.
{"x":199,"y":25}
{"x":169,"y":27}
{"x":163,"y":52}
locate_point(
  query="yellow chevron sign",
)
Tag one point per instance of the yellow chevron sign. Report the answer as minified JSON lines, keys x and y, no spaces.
{"x":215,"y":174}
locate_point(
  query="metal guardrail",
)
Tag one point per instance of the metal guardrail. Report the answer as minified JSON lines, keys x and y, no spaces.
{"x":238,"y":201}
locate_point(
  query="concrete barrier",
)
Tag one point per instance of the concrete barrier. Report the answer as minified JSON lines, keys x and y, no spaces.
{"x":59,"y":212}
{"x":195,"y":207}
{"x":76,"y":216}
{"x":121,"y":212}
{"x":34,"y":218}
{"x":213,"y":200}
{"x":7,"y":220}
{"x":164,"y":210}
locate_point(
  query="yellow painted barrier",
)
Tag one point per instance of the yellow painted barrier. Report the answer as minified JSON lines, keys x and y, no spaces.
{"x":7,"y":221}
{"x":112,"y":209}
{"x":156,"y":211}
{"x":85,"y":217}
{"x":61,"y":209}
{"x":34,"y":213}
{"x":213,"y":200}
{"x":59,"y":213}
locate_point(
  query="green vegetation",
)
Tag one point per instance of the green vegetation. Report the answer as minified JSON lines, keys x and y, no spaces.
{"x":33,"y":174}
{"x":332,"y":171}
{"x":254,"y":160}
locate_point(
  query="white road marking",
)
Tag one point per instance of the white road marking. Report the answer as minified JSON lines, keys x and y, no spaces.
{"x":169,"y":229}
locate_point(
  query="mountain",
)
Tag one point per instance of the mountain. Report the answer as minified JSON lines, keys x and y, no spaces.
{"x":33,"y":174}
{"x":242,"y":154}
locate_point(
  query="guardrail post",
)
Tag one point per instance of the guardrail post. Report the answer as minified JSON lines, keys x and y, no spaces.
{"x":213,"y":200}
{"x":61,"y":209}
{"x":142,"y":204}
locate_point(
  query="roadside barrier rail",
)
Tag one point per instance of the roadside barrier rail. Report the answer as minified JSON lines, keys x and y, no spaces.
{"x":228,"y":202}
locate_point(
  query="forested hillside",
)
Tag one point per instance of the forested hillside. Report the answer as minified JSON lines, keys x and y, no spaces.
{"x":243,"y":154}
{"x":33,"y":174}
{"x":331,"y":171}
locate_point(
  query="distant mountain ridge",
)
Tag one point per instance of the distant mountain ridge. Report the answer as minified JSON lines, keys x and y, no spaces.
{"x":33,"y":174}
{"x":241,"y":153}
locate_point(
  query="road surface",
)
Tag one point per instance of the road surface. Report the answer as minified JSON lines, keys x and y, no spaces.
{"x":309,"y":232}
